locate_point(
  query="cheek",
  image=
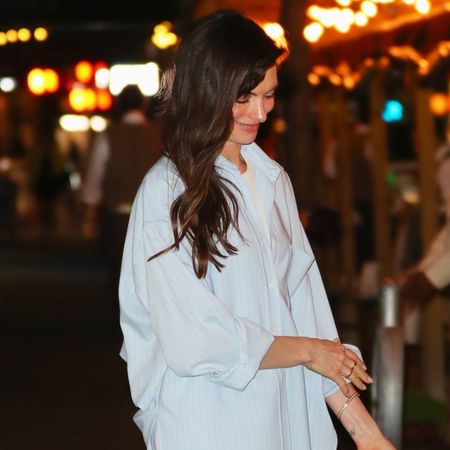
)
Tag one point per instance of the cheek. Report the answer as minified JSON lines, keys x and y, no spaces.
{"x":238,"y":111}
{"x":270,"y":105}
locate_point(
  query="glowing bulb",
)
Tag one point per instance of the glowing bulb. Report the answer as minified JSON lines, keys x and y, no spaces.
{"x":369,"y":8}
{"x":344,"y":2}
{"x":276,"y":32}
{"x":84,"y":71}
{"x":11,"y":36}
{"x":8,"y":84}
{"x":102,"y":78}
{"x":335,"y":79}
{"x":438,"y":104}
{"x":361,"y":19}
{"x":314,"y":12}
{"x":36,"y":81}
{"x":313,"y":32}
{"x":409,"y":2}
{"x":51,"y":80}
{"x":3,"y":40}
{"x":423,"y":6}
{"x":98,"y":123}
{"x":313,"y":79}
{"x":24,"y":34}
{"x":40,"y":34}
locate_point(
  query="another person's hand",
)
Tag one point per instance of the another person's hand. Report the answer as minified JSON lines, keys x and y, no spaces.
{"x":381,"y":444}
{"x":332,"y":360}
{"x":416,"y":291}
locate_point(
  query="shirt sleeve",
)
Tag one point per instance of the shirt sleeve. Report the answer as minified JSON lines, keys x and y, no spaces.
{"x":91,"y":192}
{"x":198,"y":334}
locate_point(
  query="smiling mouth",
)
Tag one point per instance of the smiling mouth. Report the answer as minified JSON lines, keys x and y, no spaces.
{"x":249,"y":127}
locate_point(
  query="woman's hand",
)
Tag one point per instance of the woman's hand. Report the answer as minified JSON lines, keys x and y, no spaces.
{"x":382,"y":444}
{"x":332,"y":360}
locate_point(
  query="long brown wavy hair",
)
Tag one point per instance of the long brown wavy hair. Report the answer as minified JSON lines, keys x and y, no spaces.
{"x":224,"y":57}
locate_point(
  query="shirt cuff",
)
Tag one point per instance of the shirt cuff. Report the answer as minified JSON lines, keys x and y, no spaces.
{"x":255,"y":343}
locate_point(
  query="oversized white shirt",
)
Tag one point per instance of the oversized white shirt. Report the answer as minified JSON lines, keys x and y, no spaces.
{"x":193,"y":346}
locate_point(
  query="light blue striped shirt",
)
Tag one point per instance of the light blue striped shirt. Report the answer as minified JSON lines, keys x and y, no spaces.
{"x":193,"y":347}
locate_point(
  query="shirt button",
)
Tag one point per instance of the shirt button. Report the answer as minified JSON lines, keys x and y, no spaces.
{"x":272,"y":284}
{"x":275,"y":329}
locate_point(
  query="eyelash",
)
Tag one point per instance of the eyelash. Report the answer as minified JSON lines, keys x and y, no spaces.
{"x":244,"y":100}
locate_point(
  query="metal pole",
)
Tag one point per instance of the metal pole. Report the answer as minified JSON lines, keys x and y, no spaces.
{"x":388,"y":363}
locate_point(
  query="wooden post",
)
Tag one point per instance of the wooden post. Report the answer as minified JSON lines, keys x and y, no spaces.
{"x":380,"y":166}
{"x":425,"y":142}
{"x":345,"y":150}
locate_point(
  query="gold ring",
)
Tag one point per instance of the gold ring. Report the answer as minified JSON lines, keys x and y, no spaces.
{"x":351,"y":370}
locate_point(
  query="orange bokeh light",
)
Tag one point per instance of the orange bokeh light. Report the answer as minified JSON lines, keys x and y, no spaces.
{"x":51,"y":80}
{"x":84,"y":71}
{"x":104,"y":100}
{"x":42,"y":81}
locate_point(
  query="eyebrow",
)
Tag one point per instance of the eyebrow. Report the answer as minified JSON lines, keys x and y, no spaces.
{"x":269,"y":90}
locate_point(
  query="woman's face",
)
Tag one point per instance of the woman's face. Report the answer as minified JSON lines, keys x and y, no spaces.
{"x":251,"y":110}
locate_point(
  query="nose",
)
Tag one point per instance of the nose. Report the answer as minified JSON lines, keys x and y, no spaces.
{"x":259,"y":111}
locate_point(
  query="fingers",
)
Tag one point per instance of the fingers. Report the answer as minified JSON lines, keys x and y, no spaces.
{"x":355,"y":370}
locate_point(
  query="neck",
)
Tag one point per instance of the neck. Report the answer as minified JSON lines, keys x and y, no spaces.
{"x":232,"y":152}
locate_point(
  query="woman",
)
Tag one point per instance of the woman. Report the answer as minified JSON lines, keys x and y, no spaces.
{"x":228,"y":335}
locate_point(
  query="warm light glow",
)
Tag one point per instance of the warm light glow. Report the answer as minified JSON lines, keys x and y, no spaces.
{"x":163,"y":27}
{"x":77,"y":99}
{"x":313,"y":32}
{"x":102,"y":78}
{"x":320,"y":70}
{"x":349,"y":82}
{"x":3,"y":39}
{"x":361,"y":19}
{"x":369,"y":8}
{"x":162,"y":37}
{"x":90,"y":100}
{"x":74,"y":122}
{"x":423,"y":6}
{"x":11,"y":36}
{"x":145,"y":76}
{"x":163,"y":41}
{"x":409,"y":2}
{"x":51,"y":80}
{"x":439,"y":104}
{"x":98,"y":123}
{"x":36,"y":81}
{"x":384,"y":62}
{"x":314,"y":12}
{"x":24,"y":34}
{"x":40,"y":34}
{"x":104,"y":100}
{"x":330,"y":17}
{"x":276,"y":32}
{"x":344,"y":2}
{"x":8,"y":84}
{"x":335,"y":79}
{"x":314,"y":79}
{"x":84,"y":71}
{"x":345,"y":19}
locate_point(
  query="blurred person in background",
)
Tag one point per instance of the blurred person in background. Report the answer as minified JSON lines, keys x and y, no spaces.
{"x":119,"y":158}
{"x":228,"y":335}
{"x":8,"y":197}
{"x":48,"y":176}
{"x":428,"y":285}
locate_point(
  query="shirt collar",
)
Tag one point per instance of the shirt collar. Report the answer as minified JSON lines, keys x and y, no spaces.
{"x":255,"y":156}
